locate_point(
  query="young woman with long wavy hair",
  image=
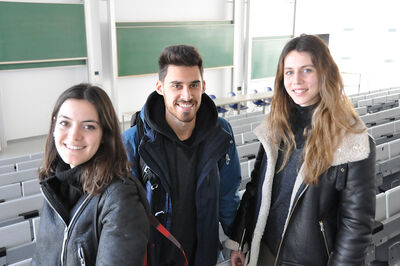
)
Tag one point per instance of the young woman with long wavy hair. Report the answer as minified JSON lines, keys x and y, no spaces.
{"x":311,"y":198}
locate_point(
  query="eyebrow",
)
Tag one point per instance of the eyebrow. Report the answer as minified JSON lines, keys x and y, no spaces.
{"x":84,"y":121}
{"x":180,"y":82}
{"x":300,"y":67}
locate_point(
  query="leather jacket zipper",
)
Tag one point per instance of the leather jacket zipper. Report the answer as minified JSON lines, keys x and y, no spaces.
{"x":81,"y":255}
{"x":66,"y":229}
{"x":71,"y":223}
{"x":324,"y":237}
{"x":284,"y":230}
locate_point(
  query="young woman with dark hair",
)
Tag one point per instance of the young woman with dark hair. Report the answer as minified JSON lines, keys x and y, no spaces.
{"x":94,"y":212}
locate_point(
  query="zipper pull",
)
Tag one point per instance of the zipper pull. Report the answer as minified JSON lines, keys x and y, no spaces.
{"x":227,"y":159}
{"x":81,"y":256}
{"x":321,"y":224}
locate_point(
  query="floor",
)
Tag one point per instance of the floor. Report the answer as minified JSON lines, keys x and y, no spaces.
{"x":20,"y":147}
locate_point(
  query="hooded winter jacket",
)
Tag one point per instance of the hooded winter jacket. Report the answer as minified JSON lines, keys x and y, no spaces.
{"x":327,"y":224}
{"x":217,"y":169}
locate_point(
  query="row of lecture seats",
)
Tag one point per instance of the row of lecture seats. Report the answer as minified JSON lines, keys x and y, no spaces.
{"x":9,"y":168}
{"x":388,"y":165}
{"x":247,"y":120}
{"x":373,"y":94}
{"x":20,"y":206}
{"x":17,"y":242}
{"x":381,"y":117}
{"x":390,"y":100}
{"x":243,"y":115}
{"x":385,"y":249}
{"x":20,"y":159}
{"x":378,"y":101}
{"x":245,"y":137}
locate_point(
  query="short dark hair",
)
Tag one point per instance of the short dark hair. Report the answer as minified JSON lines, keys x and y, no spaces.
{"x":110,"y":160}
{"x":178,"y":55}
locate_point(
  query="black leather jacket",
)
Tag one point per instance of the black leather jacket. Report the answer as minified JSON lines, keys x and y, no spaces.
{"x":329,"y":223}
{"x":107,"y":229}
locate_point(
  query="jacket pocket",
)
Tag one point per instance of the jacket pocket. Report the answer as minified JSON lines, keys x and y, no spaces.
{"x":81,"y":255}
{"x":324,"y":237}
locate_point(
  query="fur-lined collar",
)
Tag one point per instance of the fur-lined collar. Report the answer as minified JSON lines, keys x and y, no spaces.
{"x":353,"y":147}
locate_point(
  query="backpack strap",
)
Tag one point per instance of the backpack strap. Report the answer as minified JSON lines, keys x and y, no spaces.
{"x":139,"y":125}
{"x":160,"y":228}
{"x":136,"y":120}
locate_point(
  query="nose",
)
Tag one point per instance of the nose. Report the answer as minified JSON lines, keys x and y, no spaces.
{"x":297,"y":78}
{"x":75,"y":133}
{"x":186,"y":93}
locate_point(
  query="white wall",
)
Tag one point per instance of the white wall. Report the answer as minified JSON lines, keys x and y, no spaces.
{"x":271,"y":18}
{"x":364,"y":36}
{"x":28,"y":97}
{"x":172,"y":10}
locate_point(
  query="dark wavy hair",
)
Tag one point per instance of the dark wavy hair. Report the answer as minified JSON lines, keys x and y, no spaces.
{"x":110,"y":160}
{"x":178,"y":55}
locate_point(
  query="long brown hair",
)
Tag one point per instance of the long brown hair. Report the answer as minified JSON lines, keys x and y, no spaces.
{"x":333,"y":116}
{"x":110,"y":160}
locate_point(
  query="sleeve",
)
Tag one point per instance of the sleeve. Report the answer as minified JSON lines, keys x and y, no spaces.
{"x":230,"y":178}
{"x":357,"y":212}
{"x":240,"y":232}
{"x":124,"y":224}
{"x":131,"y":143}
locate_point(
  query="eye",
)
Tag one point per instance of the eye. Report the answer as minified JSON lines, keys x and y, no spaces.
{"x":195,"y":85}
{"x":289,"y":72}
{"x":176,"y":86}
{"x":63,"y":123}
{"x":89,"y":127}
{"x":307,"y":70}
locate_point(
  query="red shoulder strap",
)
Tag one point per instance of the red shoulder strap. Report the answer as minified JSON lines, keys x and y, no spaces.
{"x":145,"y":258}
{"x":160,"y":228}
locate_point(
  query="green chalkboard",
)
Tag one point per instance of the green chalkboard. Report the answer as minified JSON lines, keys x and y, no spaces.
{"x":265,"y":55}
{"x":140,"y":44}
{"x":40,"y":34}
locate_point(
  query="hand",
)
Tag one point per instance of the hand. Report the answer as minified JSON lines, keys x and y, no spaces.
{"x":237,"y":258}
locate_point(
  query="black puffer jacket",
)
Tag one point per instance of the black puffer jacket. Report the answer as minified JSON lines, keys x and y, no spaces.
{"x":329,"y":223}
{"x":107,"y":229}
